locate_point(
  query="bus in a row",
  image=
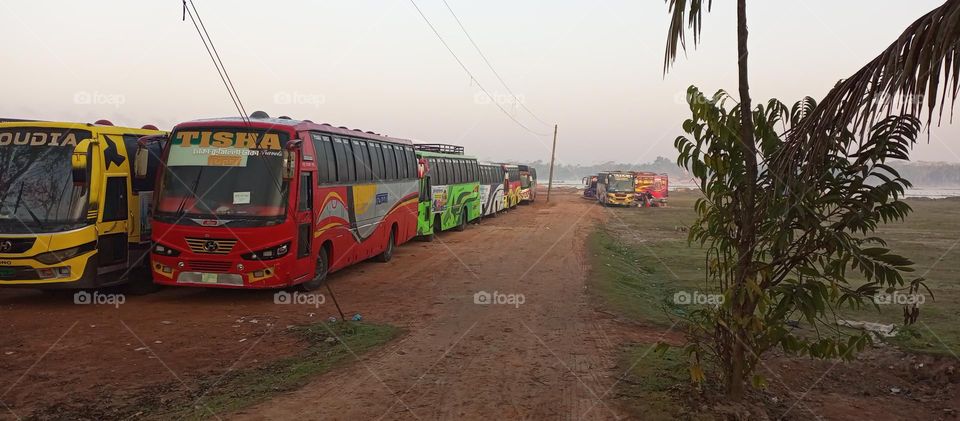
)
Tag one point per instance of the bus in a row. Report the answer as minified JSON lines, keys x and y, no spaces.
{"x":269,"y":203}
{"x":253,"y":202}
{"x":616,"y":188}
{"x":449,"y":189}
{"x":528,"y":184}
{"x":71,"y":215}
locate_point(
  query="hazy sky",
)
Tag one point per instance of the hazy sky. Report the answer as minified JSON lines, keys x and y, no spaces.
{"x":593,"y":66}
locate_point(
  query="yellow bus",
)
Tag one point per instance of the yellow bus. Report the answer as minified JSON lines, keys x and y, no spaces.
{"x":71,"y":215}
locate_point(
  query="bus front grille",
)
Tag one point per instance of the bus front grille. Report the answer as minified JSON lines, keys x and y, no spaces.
{"x":209,"y":266}
{"x":210,"y":246}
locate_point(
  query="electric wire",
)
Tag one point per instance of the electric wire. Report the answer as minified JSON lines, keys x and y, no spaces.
{"x":467,"y":70}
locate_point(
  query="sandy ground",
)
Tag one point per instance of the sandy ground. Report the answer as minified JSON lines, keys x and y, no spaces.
{"x":550,"y":357}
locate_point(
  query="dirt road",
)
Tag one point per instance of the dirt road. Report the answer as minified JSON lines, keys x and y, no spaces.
{"x":537,"y":351}
{"x":545,"y":358}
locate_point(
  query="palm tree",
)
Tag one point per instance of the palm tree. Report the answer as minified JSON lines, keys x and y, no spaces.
{"x":918,"y":71}
{"x":689,"y":14}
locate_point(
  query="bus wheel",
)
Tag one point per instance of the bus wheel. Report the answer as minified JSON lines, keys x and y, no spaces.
{"x":319,"y":276}
{"x":387,"y":252}
{"x":463,"y":221}
{"x":437,"y":227}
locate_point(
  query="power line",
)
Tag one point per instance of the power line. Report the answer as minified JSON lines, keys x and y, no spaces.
{"x":230,"y":81}
{"x":215,"y":57}
{"x":465,"y":69}
{"x":477,"y":47}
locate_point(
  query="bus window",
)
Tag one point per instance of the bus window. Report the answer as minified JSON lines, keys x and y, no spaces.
{"x":401,"y":163}
{"x":361,"y":159}
{"x":378,"y":166}
{"x":411,"y":161}
{"x":451,"y":173}
{"x":343,"y":171}
{"x":371,"y":151}
{"x":330,"y":158}
{"x":390,"y":162}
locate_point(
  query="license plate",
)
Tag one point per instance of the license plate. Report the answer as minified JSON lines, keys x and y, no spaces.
{"x":208,"y":278}
{"x":6,"y":272}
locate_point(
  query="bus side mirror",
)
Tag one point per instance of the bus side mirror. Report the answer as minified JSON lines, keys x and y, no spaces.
{"x":290,"y":159}
{"x":141,"y":162}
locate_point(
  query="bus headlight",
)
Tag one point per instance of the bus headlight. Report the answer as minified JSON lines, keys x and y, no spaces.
{"x":271,"y":253}
{"x":54,"y":257}
{"x":164,"y":250}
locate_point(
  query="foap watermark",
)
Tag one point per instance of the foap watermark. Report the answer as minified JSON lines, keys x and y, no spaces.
{"x":299,"y":98}
{"x":495,"y":297}
{"x":898,"y":298}
{"x":685,"y":298}
{"x":297,"y":298}
{"x":482,"y":98}
{"x":99,"y":98}
{"x":98,"y":298}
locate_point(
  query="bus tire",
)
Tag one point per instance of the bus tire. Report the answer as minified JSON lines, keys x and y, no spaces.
{"x":437,"y":228}
{"x":320,"y":273}
{"x":463,"y":221}
{"x":388,"y":252}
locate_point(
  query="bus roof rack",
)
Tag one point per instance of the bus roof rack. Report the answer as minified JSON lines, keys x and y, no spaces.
{"x":440,"y":148}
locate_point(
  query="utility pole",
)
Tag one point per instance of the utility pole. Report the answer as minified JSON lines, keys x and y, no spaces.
{"x":553,"y":155}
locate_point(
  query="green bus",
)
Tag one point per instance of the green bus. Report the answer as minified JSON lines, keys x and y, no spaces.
{"x":449,"y":189}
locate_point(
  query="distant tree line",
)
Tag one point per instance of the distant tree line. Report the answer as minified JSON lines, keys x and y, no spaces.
{"x":575,"y":172}
{"x":930,"y":174}
{"x":921,"y":174}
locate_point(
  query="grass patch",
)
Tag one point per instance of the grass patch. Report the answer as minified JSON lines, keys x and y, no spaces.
{"x":653,"y":384}
{"x":641,"y":257}
{"x":328,"y":346}
{"x":325,"y":351}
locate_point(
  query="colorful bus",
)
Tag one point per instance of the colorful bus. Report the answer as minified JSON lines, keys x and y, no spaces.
{"x":492,"y":182}
{"x":616,"y":188}
{"x":449,"y":189}
{"x":271,"y":203}
{"x":652,"y":188}
{"x":528,"y":184}
{"x":590,"y":187}
{"x":512,"y":195}
{"x":71,"y":215}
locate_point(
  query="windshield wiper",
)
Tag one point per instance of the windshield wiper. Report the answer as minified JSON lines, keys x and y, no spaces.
{"x":193,"y":190}
{"x":25,"y":207}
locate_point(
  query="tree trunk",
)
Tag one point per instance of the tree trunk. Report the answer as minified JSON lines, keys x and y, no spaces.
{"x":742,"y":305}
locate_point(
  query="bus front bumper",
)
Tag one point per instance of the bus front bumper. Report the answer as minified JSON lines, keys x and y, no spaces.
{"x":75,"y":273}
{"x":203,"y":271}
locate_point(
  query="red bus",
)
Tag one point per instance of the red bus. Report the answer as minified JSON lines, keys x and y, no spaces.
{"x":271,"y":203}
{"x":512,"y":194}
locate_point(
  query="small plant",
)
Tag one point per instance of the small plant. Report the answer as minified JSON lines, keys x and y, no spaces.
{"x":810,"y":236}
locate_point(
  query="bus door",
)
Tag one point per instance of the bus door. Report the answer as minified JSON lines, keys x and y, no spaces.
{"x":114,"y":226}
{"x":305,"y":265}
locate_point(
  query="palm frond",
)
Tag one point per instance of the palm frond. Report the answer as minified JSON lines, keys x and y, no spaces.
{"x":918,"y":71}
{"x":684,"y":14}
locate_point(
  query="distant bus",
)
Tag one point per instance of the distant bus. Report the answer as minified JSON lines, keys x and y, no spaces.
{"x":528,"y":184}
{"x":616,"y":188}
{"x":492,"y":182}
{"x":273,"y":203}
{"x":512,"y":195}
{"x":590,"y":187}
{"x":652,"y":187}
{"x":71,"y":215}
{"x":449,"y":189}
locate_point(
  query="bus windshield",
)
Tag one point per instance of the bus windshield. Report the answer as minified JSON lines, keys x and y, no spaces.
{"x":525,"y":181}
{"x":228,"y":174}
{"x":620,"y":184}
{"x":37,"y":193}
